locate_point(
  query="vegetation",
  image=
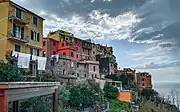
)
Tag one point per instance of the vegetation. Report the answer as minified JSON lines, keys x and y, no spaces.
{"x":80,"y":95}
{"x":118,"y":106}
{"x":110,"y":92}
{"x":10,"y":73}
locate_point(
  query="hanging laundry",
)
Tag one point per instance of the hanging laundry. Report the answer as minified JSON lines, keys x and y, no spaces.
{"x":23,"y":60}
{"x":15,"y":53}
{"x":42,"y":63}
{"x":57,"y":57}
{"x":34,"y":58}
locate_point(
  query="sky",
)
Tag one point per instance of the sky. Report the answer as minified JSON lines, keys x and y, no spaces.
{"x":145,"y":34}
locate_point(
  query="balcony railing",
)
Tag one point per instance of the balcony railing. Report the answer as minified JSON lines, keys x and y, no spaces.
{"x":19,"y":17}
{"x":18,"y":36}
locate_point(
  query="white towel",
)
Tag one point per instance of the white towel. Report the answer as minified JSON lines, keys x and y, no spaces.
{"x":34,"y":58}
{"x":23,"y":60}
{"x":42,"y":63}
{"x":15,"y":53}
{"x":57,"y":57}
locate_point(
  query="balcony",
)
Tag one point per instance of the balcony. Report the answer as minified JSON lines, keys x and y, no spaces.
{"x":18,"y":17}
{"x":86,"y":45}
{"x":18,"y":36}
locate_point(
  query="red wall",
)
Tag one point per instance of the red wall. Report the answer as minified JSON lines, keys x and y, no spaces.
{"x":53,"y":45}
{"x":67,"y":49}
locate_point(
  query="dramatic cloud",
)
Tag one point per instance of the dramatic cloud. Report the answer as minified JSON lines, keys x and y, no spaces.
{"x":154,"y":23}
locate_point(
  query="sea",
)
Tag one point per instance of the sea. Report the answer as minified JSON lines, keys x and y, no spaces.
{"x":164,"y":88}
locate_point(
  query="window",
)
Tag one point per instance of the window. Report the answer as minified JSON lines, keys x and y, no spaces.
{"x":118,"y":84}
{"x":88,"y":52}
{"x":35,"y":36}
{"x":17,"y":48}
{"x":77,"y":48}
{"x":54,"y":52}
{"x":18,"y":31}
{"x":113,"y":83}
{"x":83,"y":50}
{"x":63,"y":44}
{"x":95,"y":76}
{"x":35,"y":21}
{"x":77,"y":65}
{"x":67,"y":43}
{"x":84,"y":66}
{"x":142,"y":79}
{"x":54,"y":43}
{"x":94,"y":68}
{"x":44,"y":43}
{"x":142,"y":84}
{"x":64,"y":53}
{"x":72,"y":54}
{"x":85,"y":75}
{"x":67,"y":39}
{"x":34,"y":51}
{"x":93,"y":52}
{"x":92,"y":75}
{"x":77,"y":56}
{"x":77,"y":74}
{"x":18,"y":13}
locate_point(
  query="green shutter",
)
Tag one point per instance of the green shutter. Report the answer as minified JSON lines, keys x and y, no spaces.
{"x":37,"y":52}
{"x":22,"y":32}
{"x":32,"y":35}
{"x":38,"y":37}
{"x":31,"y":51}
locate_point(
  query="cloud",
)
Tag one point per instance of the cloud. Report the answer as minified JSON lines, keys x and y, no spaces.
{"x":153,"y":23}
{"x":153,"y":65}
{"x":99,"y":25}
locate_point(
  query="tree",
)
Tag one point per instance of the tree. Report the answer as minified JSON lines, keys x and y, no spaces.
{"x":10,"y":73}
{"x":110,"y":92}
{"x":80,"y":95}
{"x":45,"y":77}
{"x":149,"y":93}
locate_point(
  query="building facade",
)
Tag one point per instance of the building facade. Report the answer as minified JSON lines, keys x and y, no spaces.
{"x":50,"y":47}
{"x":63,"y":68}
{"x":21,"y":31}
{"x":88,"y":69}
{"x":144,"y":80}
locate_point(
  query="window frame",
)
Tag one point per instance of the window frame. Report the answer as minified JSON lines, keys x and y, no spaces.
{"x":15,"y":48}
{"x":33,"y":20}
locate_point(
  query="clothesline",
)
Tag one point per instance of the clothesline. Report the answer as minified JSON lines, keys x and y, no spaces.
{"x":24,"y":60}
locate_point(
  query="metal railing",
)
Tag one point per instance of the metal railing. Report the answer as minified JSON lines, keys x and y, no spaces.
{"x":18,"y":36}
{"x":21,"y":16}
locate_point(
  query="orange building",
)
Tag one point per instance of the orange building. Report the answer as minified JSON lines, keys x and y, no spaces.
{"x":144,"y":80}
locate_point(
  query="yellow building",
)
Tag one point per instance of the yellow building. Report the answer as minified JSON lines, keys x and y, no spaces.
{"x":144,"y":80}
{"x":109,"y":50}
{"x":61,"y":35}
{"x":20,"y":30}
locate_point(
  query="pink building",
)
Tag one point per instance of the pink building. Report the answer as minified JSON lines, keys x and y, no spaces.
{"x":88,"y":69}
{"x":86,"y":50}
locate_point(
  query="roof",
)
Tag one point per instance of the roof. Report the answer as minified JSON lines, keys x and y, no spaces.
{"x":125,"y":96}
{"x":25,"y":9}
